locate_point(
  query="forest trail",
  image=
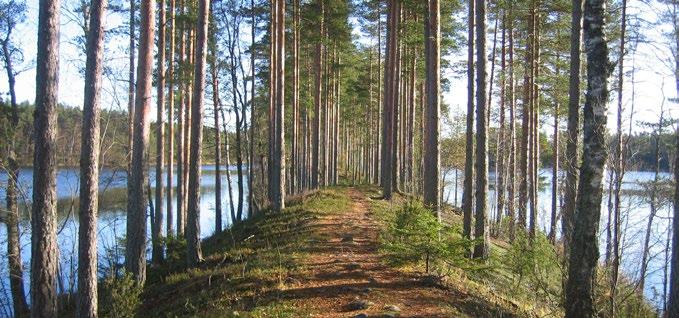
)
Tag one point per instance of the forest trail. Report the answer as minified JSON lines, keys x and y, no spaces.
{"x":347,"y":277}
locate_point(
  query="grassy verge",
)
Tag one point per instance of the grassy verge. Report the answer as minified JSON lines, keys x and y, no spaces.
{"x":520,"y":279}
{"x":245,"y":267}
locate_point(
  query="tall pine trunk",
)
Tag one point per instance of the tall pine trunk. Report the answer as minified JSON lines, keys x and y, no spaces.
{"x":467,"y":194}
{"x":673,"y":303}
{"x":89,"y":166}
{"x":131,"y":86}
{"x":277,"y":182}
{"x":44,"y":253}
{"x":218,"y":142}
{"x":432,"y":165}
{"x":572,"y":160}
{"x":170,"y":119}
{"x":511,"y":193}
{"x":157,"y":231}
{"x":480,"y":227}
{"x":180,"y":128}
{"x":193,"y":251}
{"x":135,"y":250}
{"x":318,"y":94}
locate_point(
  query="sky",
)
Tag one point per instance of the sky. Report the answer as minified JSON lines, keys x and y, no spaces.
{"x":653,"y":79}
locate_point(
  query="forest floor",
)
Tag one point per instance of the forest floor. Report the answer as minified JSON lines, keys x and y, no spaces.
{"x":319,"y":258}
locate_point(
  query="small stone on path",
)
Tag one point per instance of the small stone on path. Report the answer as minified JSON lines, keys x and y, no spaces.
{"x":347,"y":238}
{"x":353,"y":266}
{"x":359,"y":304}
{"x":392,"y":308}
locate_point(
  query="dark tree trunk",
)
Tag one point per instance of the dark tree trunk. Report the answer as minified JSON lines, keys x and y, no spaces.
{"x":135,"y":250}
{"x":131,"y":87}
{"x":180,"y":129}
{"x":170,"y":119}
{"x":218,"y":143}
{"x":511,"y":193}
{"x":432,"y":165}
{"x":157,"y":230}
{"x":295,"y":99}
{"x":526,"y":132}
{"x":501,"y":139}
{"x":44,"y":256}
{"x":193,"y":251}
{"x":584,"y":249}
{"x":480,"y":227}
{"x":673,"y":304}
{"x":572,"y":165}
{"x":468,"y":192}
{"x":318,"y":94}
{"x":251,"y":150}
{"x":278,"y":175}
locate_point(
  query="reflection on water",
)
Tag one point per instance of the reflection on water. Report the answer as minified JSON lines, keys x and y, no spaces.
{"x":111,"y":220}
{"x":635,"y":210}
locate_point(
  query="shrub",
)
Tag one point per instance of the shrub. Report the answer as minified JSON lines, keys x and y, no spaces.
{"x":414,"y":235}
{"x":119,"y":296}
{"x":536,"y":263}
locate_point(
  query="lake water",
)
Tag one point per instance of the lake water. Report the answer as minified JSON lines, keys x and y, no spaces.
{"x":635,"y":211}
{"x":111,"y":221}
{"x":112,"y":214}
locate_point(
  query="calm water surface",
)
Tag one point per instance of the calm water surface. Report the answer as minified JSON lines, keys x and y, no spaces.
{"x":111,"y":220}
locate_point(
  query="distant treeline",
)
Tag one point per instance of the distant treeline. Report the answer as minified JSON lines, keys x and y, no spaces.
{"x":640,"y":150}
{"x":114,"y":136}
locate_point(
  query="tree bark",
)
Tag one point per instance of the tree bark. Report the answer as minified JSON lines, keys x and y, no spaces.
{"x":295,"y":98}
{"x":218,"y":142}
{"x":194,"y":253}
{"x":432,"y":165}
{"x":501,"y":143}
{"x":135,"y":250}
{"x":131,"y":87}
{"x":480,"y":227}
{"x":251,"y":150}
{"x":277,"y":182}
{"x":526,"y":132}
{"x":180,"y":129}
{"x":584,"y":250}
{"x":44,"y":255}
{"x":170,"y":119}
{"x":316,"y":151}
{"x":467,"y":194}
{"x":673,"y":303}
{"x":89,"y":166}
{"x":511,"y":197}
{"x":157,"y":231}
{"x":572,"y":164}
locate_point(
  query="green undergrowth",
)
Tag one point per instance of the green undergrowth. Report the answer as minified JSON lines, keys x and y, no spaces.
{"x":245,"y":268}
{"x":523,"y":278}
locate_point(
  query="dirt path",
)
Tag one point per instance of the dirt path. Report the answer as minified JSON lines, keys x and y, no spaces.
{"x":345,"y":274}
